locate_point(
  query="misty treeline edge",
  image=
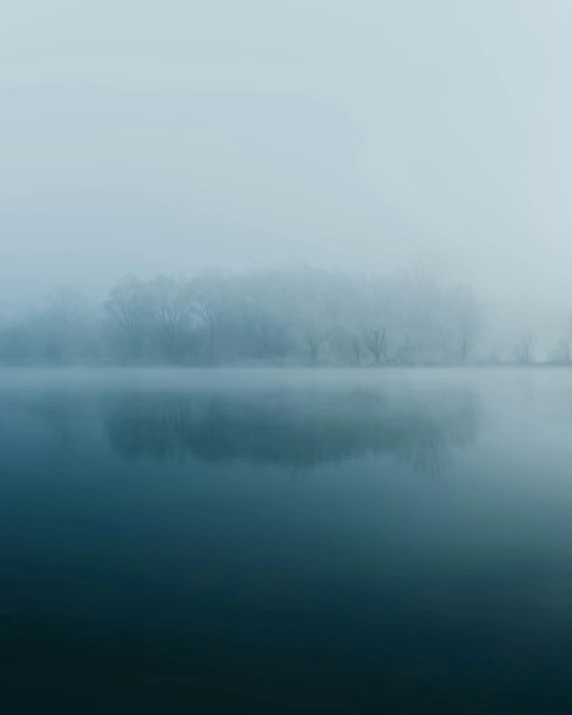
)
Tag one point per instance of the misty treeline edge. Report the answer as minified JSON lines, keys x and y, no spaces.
{"x":297,"y":316}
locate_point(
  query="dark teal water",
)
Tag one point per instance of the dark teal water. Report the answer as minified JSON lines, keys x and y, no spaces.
{"x":286,"y":542}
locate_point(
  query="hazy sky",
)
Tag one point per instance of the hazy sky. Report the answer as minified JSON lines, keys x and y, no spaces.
{"x":164,"y":136}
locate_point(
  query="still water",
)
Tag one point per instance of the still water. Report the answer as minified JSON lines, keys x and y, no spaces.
{"x":376,"y":541}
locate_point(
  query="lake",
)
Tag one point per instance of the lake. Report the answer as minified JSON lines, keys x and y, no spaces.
{"x":264,"y":541}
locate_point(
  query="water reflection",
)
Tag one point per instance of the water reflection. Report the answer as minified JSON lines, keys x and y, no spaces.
{"x":293,"y":429}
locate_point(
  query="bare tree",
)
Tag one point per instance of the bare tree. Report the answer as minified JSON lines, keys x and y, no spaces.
{"x":65,"y":310}
{"x":561,"y":354}
{"x":403,"y":352}
{"x":66,"y":304}
{"x":258,"y":312}
{"x":356,"y":344}
{"x":207,"y":309}
{"x":315,"y":315}
{"x":466,"y":340}
{"x":209,"y":291}
{"x":524,"y":349}
{"x":172,"y":308}
{"x":464,"y":302}
{"x":130,"y":306}
{"x":313,"y":340}
{"x":375,"y":342}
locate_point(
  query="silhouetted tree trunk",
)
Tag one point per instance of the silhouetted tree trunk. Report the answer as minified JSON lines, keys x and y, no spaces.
{"x":313,"y":342}
{"x":356,"y":346}
{"x":376,"y":344}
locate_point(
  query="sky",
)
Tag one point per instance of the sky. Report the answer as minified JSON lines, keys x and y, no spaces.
{"x":147,"y":137}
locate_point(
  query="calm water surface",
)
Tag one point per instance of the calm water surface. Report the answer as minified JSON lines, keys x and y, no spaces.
{"x":287,"y":542}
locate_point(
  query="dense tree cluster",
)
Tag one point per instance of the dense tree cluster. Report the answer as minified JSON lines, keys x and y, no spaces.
{"x":302,"y":316}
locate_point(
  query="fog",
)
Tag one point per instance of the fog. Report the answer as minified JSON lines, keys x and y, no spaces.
{"x":285,"y":356}
{"x":162,"y":138}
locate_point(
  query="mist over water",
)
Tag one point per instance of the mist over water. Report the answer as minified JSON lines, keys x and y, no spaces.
{"x":285,"y":357}
{"x":288,"y":540}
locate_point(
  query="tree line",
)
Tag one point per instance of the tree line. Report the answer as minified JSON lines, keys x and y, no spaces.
{"x":293,"y":316}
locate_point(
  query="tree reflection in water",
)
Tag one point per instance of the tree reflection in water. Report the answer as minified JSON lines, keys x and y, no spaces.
{"x":293,"y":429}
